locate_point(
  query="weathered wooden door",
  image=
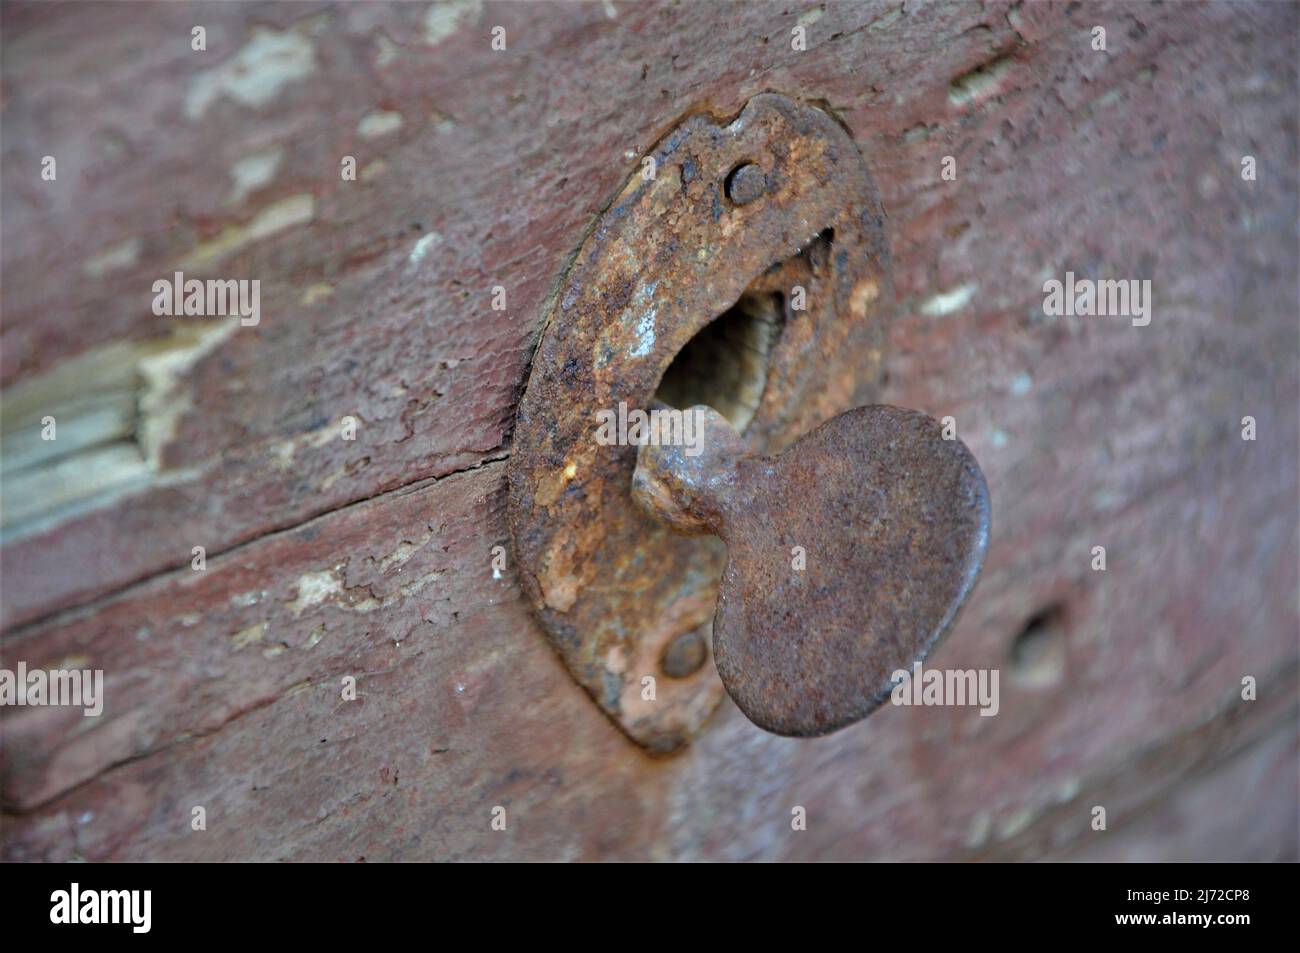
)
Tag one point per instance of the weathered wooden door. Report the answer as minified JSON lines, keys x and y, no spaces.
{"x":275,"y":532}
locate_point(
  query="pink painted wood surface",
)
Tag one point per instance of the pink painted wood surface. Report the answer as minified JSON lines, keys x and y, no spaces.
{"x":371,"y":557}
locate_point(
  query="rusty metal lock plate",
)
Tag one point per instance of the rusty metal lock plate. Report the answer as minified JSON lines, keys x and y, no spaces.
{"x":774,"y":207}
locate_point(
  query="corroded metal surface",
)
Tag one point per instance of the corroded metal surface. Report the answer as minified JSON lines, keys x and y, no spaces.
{"x":613,"y":589}
{"x":849,"y":556}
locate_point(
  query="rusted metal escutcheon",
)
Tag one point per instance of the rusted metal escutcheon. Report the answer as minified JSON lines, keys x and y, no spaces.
{"x":772,"y":212}
{"x":849,"y":555}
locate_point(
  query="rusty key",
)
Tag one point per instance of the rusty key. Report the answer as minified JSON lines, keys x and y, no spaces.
{"x":848,"y":556}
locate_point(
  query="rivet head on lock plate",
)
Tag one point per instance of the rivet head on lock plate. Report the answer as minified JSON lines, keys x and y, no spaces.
{"x":626,"y":602}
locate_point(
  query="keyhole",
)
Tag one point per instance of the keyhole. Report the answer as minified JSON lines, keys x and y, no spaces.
{"x":725,"y":365}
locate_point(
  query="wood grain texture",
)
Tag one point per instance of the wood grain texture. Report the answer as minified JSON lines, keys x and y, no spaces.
{"x":371,"y":557}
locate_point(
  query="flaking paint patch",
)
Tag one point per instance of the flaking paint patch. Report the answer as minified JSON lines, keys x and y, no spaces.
{"x":276,"y":217}
{"x":379,"y":123}
{"x":317,"y":292}
{"x":251,"y":173}
{"x":979,"y":84}
{"x":314,"y":588}
{"x":385,"y":50}
{"x":405,"y":549}
{"x":1016,"y":822}
{"x":284,"y":452}
{"x":114,"y":258}
{"x":254,"y":76}
{"x":163,"y":399}
{"x":948,"y":302}
{"x":416,"y":585}
{"x":440,"y":121}
{"x":887,"y":21}
{"x":117,"y":408}
{"x":443,"y":19}
{"x":980,"y":828}
{"x":249,"y":636}
{"x":421,"y":248}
